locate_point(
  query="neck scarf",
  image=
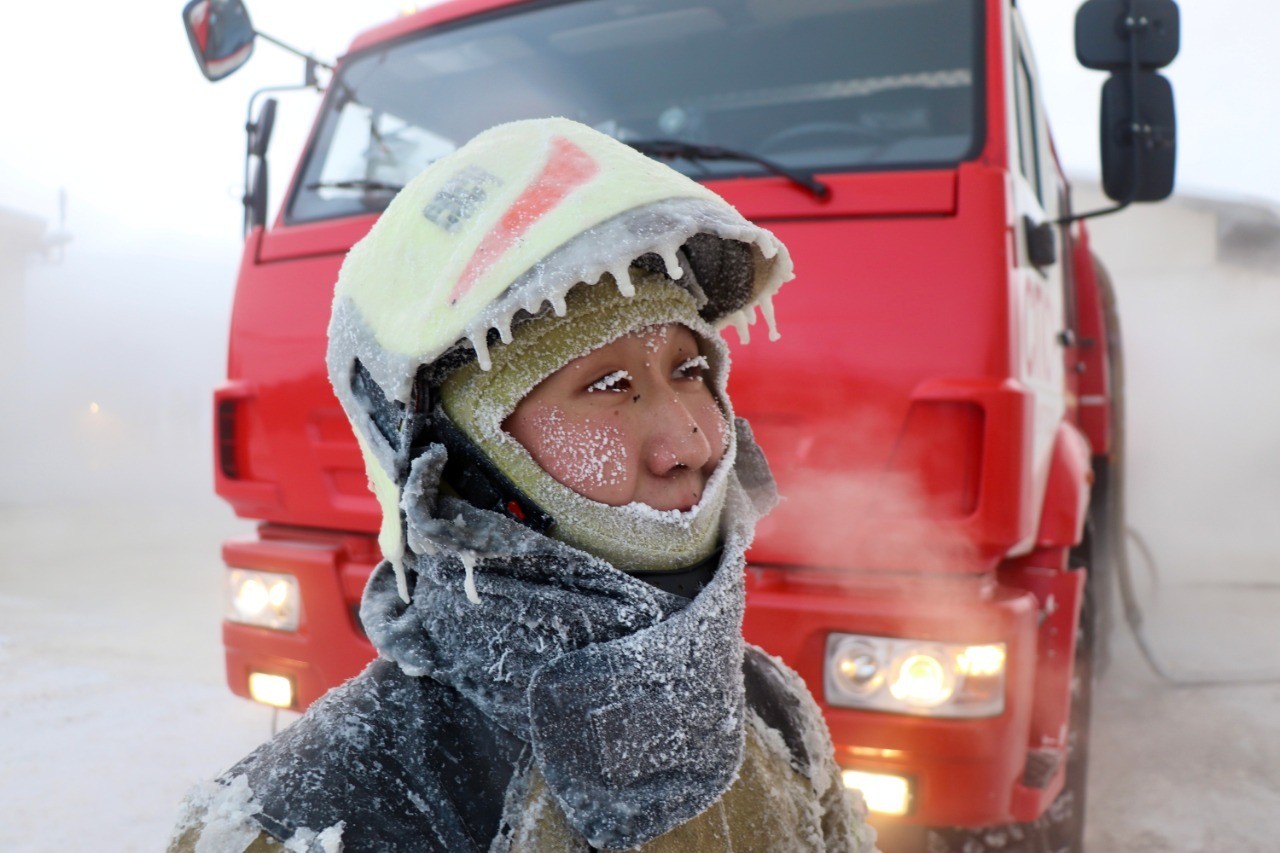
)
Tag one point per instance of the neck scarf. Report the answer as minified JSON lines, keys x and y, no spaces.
{"x":631,"y":697}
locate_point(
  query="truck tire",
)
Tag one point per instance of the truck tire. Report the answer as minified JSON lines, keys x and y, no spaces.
{"x":1063,"y":823}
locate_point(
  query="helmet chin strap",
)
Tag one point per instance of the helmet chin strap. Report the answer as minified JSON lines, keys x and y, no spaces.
{"x":476,"y":480}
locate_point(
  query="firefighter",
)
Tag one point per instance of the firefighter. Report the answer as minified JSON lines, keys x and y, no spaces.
{"x":526,"y":345}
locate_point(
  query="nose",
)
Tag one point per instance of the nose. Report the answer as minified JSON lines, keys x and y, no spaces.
{"x":673,"y":440}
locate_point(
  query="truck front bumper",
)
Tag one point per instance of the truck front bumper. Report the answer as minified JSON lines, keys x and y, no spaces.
{"x":958,"y":772}
{"x":328,"y":646}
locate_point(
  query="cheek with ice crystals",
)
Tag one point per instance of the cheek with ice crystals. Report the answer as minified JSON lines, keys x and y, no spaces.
{"x":584,"y":455}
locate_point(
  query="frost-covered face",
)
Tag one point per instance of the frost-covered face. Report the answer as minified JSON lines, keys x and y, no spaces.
{"x":631,"y":422}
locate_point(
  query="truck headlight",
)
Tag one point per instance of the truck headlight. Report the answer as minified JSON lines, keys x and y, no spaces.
{"x":922,"y":678}
{"x":914,"y":677}
{"x":264,"y":599}
{"x":857,"y":668}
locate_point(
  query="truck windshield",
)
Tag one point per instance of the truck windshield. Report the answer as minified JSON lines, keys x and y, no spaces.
{"x":812,"y":85}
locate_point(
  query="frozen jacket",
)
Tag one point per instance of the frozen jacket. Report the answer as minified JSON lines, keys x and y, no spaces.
{"x":575,"y":707}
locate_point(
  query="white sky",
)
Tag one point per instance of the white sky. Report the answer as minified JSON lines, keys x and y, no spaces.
{"x":113,"y":108}
{"x":1225,"y":83}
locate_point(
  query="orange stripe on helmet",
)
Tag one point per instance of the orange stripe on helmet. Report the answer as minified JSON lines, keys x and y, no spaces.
{"x":567,"y":168}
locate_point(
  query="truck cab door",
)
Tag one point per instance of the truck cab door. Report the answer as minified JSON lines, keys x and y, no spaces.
{"x":1038,"y":303}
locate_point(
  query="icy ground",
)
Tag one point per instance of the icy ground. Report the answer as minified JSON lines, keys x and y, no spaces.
{"x":111,"y":692}
{"x":1191,"y":768}
{"x":112,"y":701}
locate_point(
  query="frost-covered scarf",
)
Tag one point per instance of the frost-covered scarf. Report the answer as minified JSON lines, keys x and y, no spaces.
{"x":631,"y":697}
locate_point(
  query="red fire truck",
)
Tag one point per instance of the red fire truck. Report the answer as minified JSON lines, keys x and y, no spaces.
{"x":940,"y":412}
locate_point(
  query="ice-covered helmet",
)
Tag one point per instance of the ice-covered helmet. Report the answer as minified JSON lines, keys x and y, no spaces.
{"x":502,"y":230}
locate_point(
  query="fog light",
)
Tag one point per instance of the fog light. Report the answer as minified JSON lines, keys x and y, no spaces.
{"x":268,"y":689}
{"x":265,"y":599}
{"x":884,"y":793}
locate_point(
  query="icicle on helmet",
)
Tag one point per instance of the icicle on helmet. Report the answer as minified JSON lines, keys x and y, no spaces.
{"x":495,"y":233}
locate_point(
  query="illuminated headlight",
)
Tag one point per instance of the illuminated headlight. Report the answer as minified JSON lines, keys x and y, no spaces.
{"x":265,"y":599}
{"x":915,"y":677}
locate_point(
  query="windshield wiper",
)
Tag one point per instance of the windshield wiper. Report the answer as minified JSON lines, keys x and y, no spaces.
{"x":674,"y":149}
{"x":356,"y":184}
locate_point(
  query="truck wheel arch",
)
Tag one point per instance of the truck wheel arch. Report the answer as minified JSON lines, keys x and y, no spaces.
{"x":1066,"y":495}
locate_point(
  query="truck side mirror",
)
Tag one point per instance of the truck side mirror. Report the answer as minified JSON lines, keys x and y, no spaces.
{"x":1103,"y":33}
{"x":256,"y":182}
{"x":1132,"y":38}
{"x":260,"y":131}
{"x":1139,"y":137}
{"x":221,"y":35}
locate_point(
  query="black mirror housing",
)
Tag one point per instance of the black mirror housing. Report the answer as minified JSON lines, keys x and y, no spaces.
{"x":260,"y":130}
{"x":1104,"y":29}
{"x":1139,"y":138}
{"x":256,"y":182}
{"x":221,"y":35}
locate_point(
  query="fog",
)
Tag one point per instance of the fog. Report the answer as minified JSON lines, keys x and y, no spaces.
{"x":1198,"y":283}
{"x":107,"y":394}
{"x":131,"y":314}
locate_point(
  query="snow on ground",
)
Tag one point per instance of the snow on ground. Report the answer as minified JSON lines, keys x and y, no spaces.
{"x":1178,"y":768}
{"x":112,"y":702}
{"x":111,"y":695}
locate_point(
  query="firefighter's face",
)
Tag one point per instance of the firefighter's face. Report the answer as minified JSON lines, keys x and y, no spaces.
{"x":631,"y":422}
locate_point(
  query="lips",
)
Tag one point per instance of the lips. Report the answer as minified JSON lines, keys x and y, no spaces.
{"x":680,"y":492}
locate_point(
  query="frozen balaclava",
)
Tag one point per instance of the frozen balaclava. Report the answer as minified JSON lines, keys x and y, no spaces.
{"x":501,"y":234}
{"x":633,"y":537}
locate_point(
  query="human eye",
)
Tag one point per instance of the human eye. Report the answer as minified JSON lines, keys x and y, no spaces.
{"x":618,"y":380}
{"x":692,"y":368}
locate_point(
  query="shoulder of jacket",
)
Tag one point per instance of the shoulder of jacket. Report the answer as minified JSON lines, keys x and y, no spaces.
{"x":781,"y":700}
{"x":361,"y":763}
